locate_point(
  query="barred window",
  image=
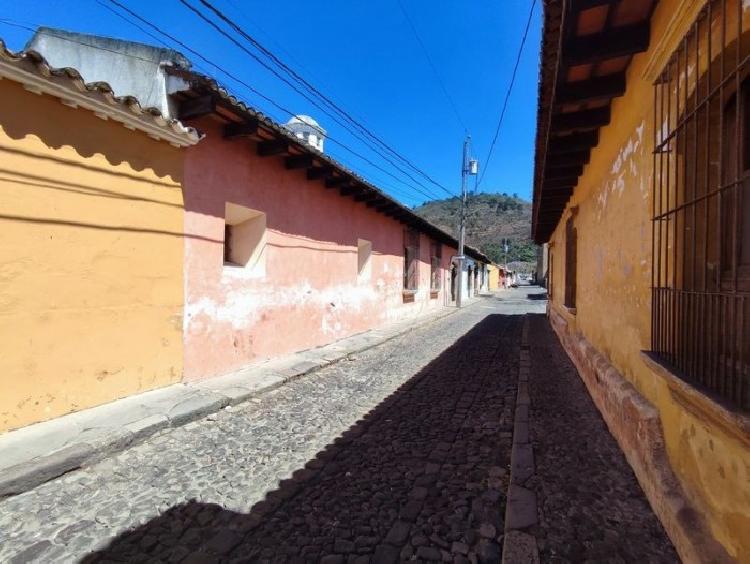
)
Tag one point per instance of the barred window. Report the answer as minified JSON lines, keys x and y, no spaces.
{"x":701,"y":205}
{"x":411,"y":259}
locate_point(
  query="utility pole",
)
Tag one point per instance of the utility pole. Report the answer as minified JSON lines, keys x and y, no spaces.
{"x":467,"y":168}
{"x":505,"y":256}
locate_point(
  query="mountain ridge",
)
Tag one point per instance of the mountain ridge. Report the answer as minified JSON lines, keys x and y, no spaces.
{"x":490,"y":218}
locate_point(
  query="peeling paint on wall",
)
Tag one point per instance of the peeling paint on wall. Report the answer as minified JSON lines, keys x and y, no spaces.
{"x":311,"y":292}
{"x":624,"y":166}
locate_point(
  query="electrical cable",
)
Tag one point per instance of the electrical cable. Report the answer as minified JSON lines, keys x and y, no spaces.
{"x":263,"y":96}
{"x":426,"y":53}
{"x":295,"y":88}
{"x":291,"y":72}
{"x":19,"y":25}
{"x":507,"y":94}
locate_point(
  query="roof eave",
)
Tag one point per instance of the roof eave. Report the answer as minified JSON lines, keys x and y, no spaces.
{"x":200,"y":84}
{"x":31,"y":70}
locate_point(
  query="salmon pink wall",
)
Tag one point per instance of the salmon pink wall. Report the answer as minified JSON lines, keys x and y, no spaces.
{"x":310,"y":293}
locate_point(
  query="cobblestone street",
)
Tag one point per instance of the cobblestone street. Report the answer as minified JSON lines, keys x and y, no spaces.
{"x":401,"y":453}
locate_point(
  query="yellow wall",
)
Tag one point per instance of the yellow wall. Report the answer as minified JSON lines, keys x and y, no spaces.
{"x":613,"y":305}
{"x":494,"y":277}
{"x":91,"y":247}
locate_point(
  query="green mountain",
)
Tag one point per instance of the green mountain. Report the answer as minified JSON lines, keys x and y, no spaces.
{"x":490,"y":218}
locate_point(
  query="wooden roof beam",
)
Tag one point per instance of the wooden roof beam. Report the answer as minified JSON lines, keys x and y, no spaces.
{"x":583,"y":120}
{"x":554,"y":190}
{"x":610,"y":44}
{"x":591,"y":90}
{"x":563,"y":172}
{"x":386,"y":206}
{"x":581,"y":5}
{"x":374,"y":203}
{"x":294,"y":162}
{"x":572,"y":143}
{"x":196,"y":107}
{"x":366,"y":197}
{"x":350,"y":190}
{"x":272,"y":147}
{"x":335,"y":181}
{"x":241,"y":130}
{"x":568,"y":159}
{"x":560,"y":183}
{"x":319,"y":172}
{"x":556,"y":198}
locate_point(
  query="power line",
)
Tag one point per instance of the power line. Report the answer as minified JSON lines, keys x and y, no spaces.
{"x":51,"y":33}
{"x":280,"y":46}
{"x":20,"y":25}
{"x":292,"y":73}
{"x":296,"y":89}
{"x":263,"y":96}
{"x":507,"y":94}
{"x":432,"y":66}
{"x":16,"y":24}
{"x":301,"y":80}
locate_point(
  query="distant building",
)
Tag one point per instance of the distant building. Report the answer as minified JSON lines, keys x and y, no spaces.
{"x":306,"y":128}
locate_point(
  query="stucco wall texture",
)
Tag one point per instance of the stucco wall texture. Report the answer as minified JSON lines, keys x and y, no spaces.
{"x":91,"y":276}
{"x":613,"y":305}
{"x":493,"y":278}
{"x":310,"y":291}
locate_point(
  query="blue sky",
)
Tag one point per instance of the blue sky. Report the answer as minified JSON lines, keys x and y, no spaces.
{"x":364,"y":55}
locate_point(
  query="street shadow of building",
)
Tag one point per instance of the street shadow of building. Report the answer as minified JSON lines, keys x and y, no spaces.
{"x":424,"y":474}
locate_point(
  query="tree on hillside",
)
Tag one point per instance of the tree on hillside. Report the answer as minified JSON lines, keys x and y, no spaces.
{"x":490,"y":219}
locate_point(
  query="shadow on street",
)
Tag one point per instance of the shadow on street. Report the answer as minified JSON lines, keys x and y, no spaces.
{"x":423,"y":475}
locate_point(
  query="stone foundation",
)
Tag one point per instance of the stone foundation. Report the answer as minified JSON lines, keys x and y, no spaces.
{"x":636,"y":425}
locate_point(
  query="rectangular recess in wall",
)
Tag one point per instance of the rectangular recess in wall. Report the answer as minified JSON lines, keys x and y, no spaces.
{"x":436,"y":256}
{"x":364,"y":260}
{"x":245,"y":238}
{"x":411,"y":260}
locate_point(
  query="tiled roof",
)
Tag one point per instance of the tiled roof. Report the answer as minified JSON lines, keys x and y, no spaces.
{"x":201,"y":83}
{"x":32,"y":70}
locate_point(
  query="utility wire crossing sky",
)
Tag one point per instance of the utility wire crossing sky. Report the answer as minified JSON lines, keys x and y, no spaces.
{"x":424,"y":76}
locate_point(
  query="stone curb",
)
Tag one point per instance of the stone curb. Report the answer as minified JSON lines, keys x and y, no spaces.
{"x":519,"y":547}
{"x":44,"y":451}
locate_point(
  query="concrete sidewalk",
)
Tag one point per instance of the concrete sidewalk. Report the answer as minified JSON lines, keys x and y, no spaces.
{"x":38,"y":453}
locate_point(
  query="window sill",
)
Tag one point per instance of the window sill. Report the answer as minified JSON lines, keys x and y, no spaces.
{"x":409,"y":296}
{"x":571,"y":310}
{"x":434,"y":294}
{"x":701,"y":403}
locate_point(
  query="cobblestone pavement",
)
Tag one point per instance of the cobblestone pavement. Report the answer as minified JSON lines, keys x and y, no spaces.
{"x":421,"y":470}
{"x":591,"y":507}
